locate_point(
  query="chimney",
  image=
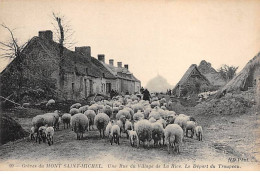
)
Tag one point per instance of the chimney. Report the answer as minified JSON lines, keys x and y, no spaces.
{"x":111,"y":62}
{"x":86,"y":50}
{"x":101,"y":57}
{"x":46,"y":35}
{"x":119,"y":64}
{"x":126,"y":66}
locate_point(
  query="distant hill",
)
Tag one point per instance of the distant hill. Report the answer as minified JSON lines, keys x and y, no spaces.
{"x":211,"y":74}
{"x":158,"y":84}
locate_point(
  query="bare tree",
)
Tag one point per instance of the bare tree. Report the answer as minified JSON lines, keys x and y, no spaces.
{"x":227,"y":72}
{"x":12,"y":50}
{"x":64,"y":34}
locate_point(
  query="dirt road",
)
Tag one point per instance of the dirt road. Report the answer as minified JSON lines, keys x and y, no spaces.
{"x":227,"y":140}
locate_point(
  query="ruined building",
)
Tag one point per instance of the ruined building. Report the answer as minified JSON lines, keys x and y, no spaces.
{"x":84,"y":74}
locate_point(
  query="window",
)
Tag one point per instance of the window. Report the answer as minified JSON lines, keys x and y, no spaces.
{"x":72,"y":87}
{"x":103,"y":75}
{"x":86,"y":71}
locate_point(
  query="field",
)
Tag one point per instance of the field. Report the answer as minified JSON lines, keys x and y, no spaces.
{"x":230,"y":140}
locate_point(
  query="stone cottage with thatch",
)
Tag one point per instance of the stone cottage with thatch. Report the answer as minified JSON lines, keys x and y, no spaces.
{"x":39,"y":65}
{"x":247,"y":78}
{"x":192,"y":82}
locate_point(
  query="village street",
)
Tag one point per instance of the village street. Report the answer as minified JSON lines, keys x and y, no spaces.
{"x":225,"y":138}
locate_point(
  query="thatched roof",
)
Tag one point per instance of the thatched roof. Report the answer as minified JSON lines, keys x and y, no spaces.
{"x":241,"y":80}
{"x":187,"y":74}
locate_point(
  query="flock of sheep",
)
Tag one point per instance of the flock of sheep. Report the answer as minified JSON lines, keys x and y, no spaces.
{"x":141,"y":121}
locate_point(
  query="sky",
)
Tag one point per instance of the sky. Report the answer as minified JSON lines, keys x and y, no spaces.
{"x":153,"y":37}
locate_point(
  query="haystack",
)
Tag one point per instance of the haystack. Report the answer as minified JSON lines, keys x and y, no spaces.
{"x":10,"y":130}
{"x":246,"y":78}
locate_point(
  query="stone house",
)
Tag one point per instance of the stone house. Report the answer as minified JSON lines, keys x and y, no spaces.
{"x":191,"y":82}
{"x":125,"y":82}
{"x":84,"y":74}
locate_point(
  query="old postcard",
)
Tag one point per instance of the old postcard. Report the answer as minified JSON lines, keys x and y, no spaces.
{"x":138,"y":85}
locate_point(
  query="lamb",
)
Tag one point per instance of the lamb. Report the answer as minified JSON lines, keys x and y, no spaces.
{"x":74,"y":111}
{"x":108,"y":128}
{"x":199,"y":132}
{"x":143,"y":129}
{"x":76,"y":105}
{"x":190,"y":126}
{"x":66,"y":120}
{"x":32,"y":133}
{"x":42,"y":136}
{"x":50,"y":102}
{"x":173,"y":136}
{"x":133,"y":138}
{"x":101,"y":120}
{"x":49,"y":132}
{"x":157,"y":133}
{"x":115,"y":132}
{"x":91,"y":116}
{"x":80,"y":124}
{"x":82,"y":109}
{"x":128,"y":126}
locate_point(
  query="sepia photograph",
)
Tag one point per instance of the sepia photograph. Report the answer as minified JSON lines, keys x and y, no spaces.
{"x":130,"y":85}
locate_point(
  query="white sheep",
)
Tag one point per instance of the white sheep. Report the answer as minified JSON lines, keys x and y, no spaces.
{"x":181,"y":120}
{"x":108,"y":110}
{"x":152,"y":120}
{"x":199,"y":132}
{"x":190,"y":126}
{"x":138,"y":116}
{"x":91,"y":116}
{"x":163,"y":122}
{"x":101,"y":120}
{"x":155,"y":103}
{"x":121,"y":125}
{"x":147,"y":112}
{"x":114,"y":134}
{"x":80,"y":124}
{"x":37,"y":122}
{"x":157,"y":133}
{"x":74,"y":111}
{"x":94,"y":107}
{"x":42,"y":136}
{"x":82,"y":109}
{"x":50,"y":102}
{"x":76,"y":105}
{"x":133,"y":138}
{"x":173,"y":136}
{"x":66,"y":119}
{"x":128,"y":126}
{"x":143,"y":129}
{"x":49,"y":132}
{"x":108,"y":128}
{"x":155,"y":114}
{"x":32,"y":133}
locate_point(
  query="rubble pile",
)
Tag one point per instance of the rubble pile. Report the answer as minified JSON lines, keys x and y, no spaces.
{"x":230,"y":104}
